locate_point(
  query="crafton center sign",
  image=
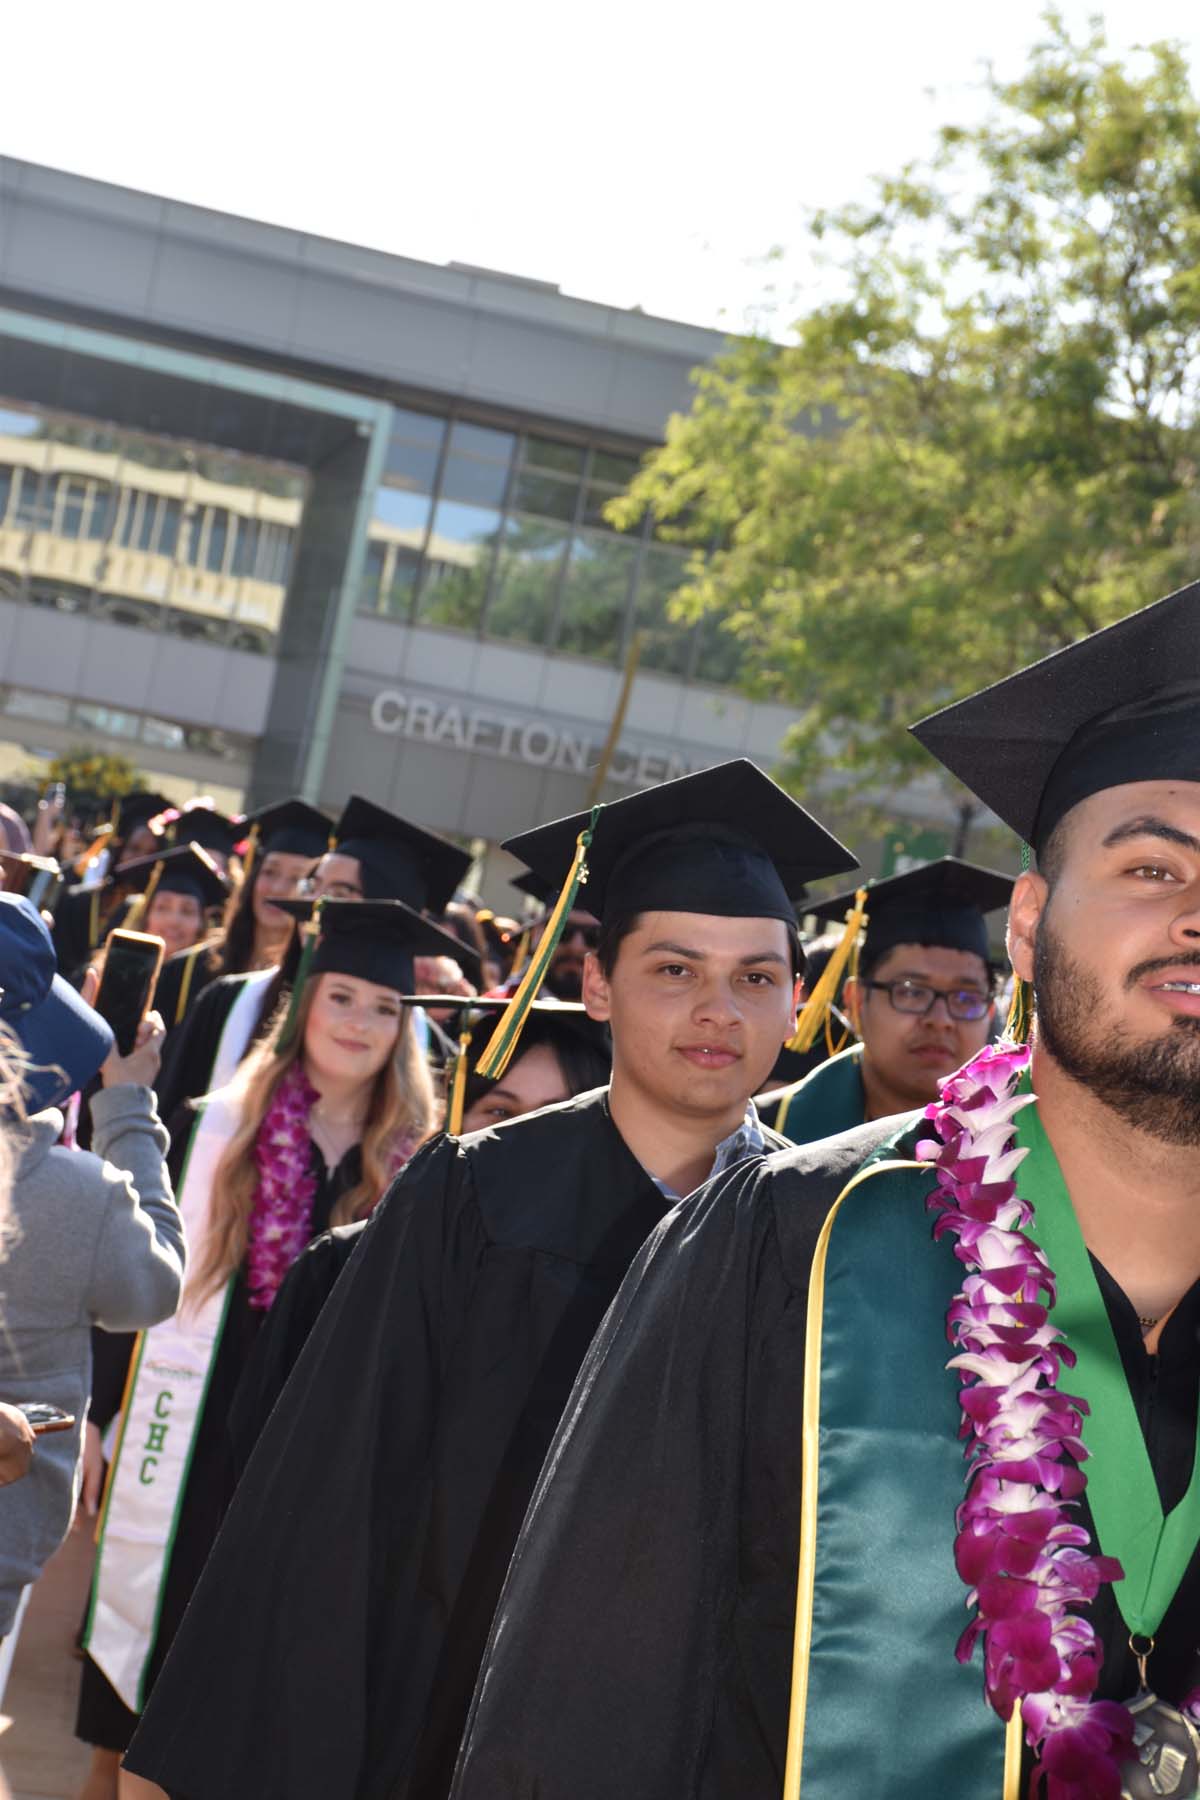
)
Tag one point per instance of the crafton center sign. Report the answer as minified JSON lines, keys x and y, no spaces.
{"x":537,"y":742}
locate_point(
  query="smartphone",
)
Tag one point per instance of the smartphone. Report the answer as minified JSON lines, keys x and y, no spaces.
{"x":132,"y":961}
{"x":44,"y":1417}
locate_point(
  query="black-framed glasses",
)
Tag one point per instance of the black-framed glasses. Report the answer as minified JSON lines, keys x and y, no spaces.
{"x":918,"y":998}
{"x":589,"y":933}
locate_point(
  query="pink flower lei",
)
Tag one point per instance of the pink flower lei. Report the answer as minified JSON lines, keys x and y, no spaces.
{"x":1025,"y":1561}
{"x":281,"y":1223}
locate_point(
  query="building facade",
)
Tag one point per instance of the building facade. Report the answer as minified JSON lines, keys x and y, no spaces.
{"x":282,"y":515}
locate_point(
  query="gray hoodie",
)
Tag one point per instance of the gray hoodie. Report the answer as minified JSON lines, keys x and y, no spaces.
{"x":93,"y":1238}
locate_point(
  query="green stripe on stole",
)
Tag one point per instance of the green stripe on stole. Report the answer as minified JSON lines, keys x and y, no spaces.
{"x":889,"y":1709}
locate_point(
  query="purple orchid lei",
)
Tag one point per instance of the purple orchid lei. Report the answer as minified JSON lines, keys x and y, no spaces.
{"x":281,"y":1223}
{"x":1026,"y":1562}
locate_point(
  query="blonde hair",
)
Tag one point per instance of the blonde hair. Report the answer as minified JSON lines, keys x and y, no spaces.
{"x":402,"y":1106}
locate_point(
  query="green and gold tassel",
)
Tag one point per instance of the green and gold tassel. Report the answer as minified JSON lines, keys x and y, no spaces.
{"x":458,"y":1084}
{"x":287,"y":1031}
{"x":140,"y":907}
{"x":498,"y":1054}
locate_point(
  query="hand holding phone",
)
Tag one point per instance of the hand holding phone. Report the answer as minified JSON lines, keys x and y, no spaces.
{"x":132,"y":961}
{"x":44,"y":1418}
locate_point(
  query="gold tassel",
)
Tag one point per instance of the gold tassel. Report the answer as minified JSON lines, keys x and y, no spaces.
{"x":1019,"y":1022}
{"x":816,"y":1007}
{"x":458,"y":1085}
{"x":498,"y":1054}
{"x":141,"y":906}
{"x":251,"y":855}
{"x":94,"y":918}
{"x":185,"y":985}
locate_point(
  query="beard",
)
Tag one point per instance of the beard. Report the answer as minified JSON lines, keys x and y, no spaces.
{"x":1152,"y":1083}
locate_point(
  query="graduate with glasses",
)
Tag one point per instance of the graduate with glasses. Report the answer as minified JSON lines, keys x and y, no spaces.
{"x":921,"y":1000}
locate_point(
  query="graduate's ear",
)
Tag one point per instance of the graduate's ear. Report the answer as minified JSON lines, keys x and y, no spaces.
{"x":853,"y":993}
{"x":1025,"y":911}
{"x":597,"y":998}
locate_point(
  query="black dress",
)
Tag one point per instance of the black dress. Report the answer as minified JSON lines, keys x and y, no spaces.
{"x":332,"y":1646}
{"x":103,"y":1718}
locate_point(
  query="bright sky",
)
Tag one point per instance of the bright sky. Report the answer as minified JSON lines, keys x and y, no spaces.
{"x":634,"y":151}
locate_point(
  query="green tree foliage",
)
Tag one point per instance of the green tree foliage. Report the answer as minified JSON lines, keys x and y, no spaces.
{"x":92,"y":778}
{"x":988,"y":444}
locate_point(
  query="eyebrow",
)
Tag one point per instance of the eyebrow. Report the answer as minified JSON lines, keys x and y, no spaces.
{"x":757,"y":956}
{"x":1150,"y":826}
{"x":919,"y":975}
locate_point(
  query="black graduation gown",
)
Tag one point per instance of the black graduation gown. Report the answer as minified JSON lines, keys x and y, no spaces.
{"x":642,"y":1646}
{"x":332,"y":1646}
{"x":103,"y":1718}
{"x":168,"y":994}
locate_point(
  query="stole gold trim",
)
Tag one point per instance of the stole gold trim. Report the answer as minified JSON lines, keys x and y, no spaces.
{"x":809,"y":1472}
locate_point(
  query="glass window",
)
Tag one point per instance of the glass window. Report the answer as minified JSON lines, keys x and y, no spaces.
{"x":544,"y":453}
{"x":170,"y":517}
{"x":478,"y":483}
{"x":619,"y":470}
{"x":666,"y":644}
{"x":480,"y":440}
{"x":531,"y":560}
{"x":545,"y":494}
{"x":418,"y":428}
{"x":370,"y":588}
{"x":720,"y":656}
{"x":6,"y":481}
{"x":72,"y":498}
{"x":458,"y":562}
{"x":596,"y":595}
{"x":101,"y":512}
{"x":46,"y":708}
{"x":28,"y":509}
{"x":594,"y":502}
{"x":218,"y":534}
{"x":245,"y":546}
{"x":107,"y":718}
{"x":19,"y":424}
{"x":163,"y":734}
{"x":412,"y":465}
{"x":401,"y":517}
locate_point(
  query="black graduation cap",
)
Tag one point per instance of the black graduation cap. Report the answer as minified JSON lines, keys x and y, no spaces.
{"x":205,"y":826}
{"x":726,"y":841}
{"x":187,"y":869}
{"x":940,"y":903}
{"x":373,"y":939}
{"x":399,"y":860}
{"x":291,"y":828}
{"x":536,"y":887}
{"x":1122,"y":705}
{"x":137,"y":809}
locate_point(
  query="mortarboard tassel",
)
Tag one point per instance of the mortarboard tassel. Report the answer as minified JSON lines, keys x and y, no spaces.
{"x":458,"y":1084}
{"x":816,"y":1008}
{"x":1019,"y":1022}
{"x":287,"y":1030}
{"x":250,"y":853}
{"x":99,"y":842}
{"x":498,"y":1054}
{"x":140,"y":906}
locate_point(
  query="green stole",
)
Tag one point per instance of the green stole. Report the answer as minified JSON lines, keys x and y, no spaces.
{"x":827,"y":1102}
{"x":880,"y":1705}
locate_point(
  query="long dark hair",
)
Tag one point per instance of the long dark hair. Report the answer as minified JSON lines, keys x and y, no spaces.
{"x":581,"y":1047}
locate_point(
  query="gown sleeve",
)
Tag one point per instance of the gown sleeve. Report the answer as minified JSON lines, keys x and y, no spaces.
{"x":634,"y":1648}
{"x":281,"y":1677}
{"x":286,"y":1329}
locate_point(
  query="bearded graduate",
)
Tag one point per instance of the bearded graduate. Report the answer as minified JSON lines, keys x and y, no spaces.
{"x":779,"y":1545}
{"x":317,"y":1124}
{"x":365,"y":1550}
